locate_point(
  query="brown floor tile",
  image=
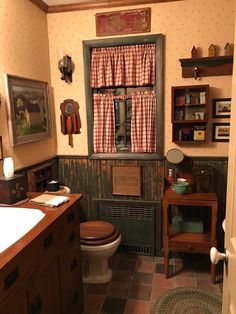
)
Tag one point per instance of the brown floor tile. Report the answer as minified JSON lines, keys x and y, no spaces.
{"x":180,"y":270}
{"x":141,"y":292}
{"x":126,"y":264}
{"x":100,"y":288}
{"x":145,"y":266}
{"x":93,"y":303}
{"x":160,"y":269}
{"x":146,"y":258}
{"x":182,"y":281}
{"x":122,"y":275}
{"x":118,"y":289}
{"x":206,"y":284}
{"x":143,"y":278}
{"x":113,"y":306}
{"x":137,"y":307}
{"x":161,"y":281}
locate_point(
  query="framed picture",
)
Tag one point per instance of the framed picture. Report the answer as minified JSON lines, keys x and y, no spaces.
{"x":126,"y":180}
{"x":1,"y":153}
{"x":221,"y":107}
{"x":28,"y":109}
{"x":220,"y":132}
{"x":199,"y":115}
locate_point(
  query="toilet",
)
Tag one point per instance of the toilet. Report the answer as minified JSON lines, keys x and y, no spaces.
{"x":99,"y":240}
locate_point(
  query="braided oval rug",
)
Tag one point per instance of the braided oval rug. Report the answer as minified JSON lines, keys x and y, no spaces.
{"x":187,"y":301}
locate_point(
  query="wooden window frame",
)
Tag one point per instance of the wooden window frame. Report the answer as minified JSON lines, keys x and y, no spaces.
{"x":158,"y":88}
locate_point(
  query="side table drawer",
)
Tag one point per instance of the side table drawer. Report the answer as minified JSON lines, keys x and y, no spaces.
{"x":190,"y":247}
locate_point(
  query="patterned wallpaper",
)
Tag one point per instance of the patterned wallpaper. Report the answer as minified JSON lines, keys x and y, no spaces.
{"x":33,"y":42}
{"x":184,"y":24}
{"x":24,"y":52}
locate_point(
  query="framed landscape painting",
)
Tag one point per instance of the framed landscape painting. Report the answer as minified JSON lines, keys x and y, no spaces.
{"x":220,"y":132}
{"x":221,"y":108}
{"x":28,"y":109}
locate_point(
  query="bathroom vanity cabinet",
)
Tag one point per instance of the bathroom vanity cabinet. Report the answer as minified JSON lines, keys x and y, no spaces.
{"x":41,"y":272}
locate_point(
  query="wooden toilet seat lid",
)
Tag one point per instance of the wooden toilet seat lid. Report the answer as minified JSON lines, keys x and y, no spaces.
{"x":96,"y":230}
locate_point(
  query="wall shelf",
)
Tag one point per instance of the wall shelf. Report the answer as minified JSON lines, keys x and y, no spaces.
{"x":208,"y":66}
{"x":189,"y":113}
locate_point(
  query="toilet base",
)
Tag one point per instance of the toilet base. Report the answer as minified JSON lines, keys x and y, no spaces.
{"x":96,"y":272}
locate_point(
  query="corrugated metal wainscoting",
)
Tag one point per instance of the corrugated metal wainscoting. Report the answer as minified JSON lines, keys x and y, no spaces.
{"x":135,"y":221}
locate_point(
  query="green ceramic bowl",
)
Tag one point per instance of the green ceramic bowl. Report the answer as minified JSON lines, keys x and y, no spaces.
{"x":181,"y":187}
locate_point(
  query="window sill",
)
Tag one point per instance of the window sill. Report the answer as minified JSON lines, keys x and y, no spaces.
{"x":128,"y":156}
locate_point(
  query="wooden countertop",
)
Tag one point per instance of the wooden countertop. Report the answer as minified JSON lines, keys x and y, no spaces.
{"x":52,"y":213}
{"x":171,"y":194}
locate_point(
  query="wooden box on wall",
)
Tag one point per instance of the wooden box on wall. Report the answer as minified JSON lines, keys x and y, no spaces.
{"x":202,"y":178}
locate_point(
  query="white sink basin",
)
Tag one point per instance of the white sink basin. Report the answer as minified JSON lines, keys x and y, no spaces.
{"x":15,"y":222}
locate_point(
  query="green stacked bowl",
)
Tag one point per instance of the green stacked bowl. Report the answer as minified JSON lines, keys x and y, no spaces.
{"x":181,"y":187}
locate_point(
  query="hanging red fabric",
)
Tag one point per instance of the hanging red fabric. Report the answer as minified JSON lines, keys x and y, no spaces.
{"x":132,"y":65}
{"x":104,"y":123}
{"x":143,"y":117}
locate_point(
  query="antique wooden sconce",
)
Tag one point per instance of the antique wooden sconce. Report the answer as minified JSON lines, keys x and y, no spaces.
{"x":70,"y":118}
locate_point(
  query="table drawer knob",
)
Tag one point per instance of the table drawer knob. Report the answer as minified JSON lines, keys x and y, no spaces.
{"x":190,"y":247}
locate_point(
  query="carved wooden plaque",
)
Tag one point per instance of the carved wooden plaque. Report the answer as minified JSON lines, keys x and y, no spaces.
{"x":126,"y":180}
{"x":123,"y":22}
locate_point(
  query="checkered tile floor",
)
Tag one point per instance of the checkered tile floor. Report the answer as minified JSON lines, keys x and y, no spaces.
{"x":138,"y":282}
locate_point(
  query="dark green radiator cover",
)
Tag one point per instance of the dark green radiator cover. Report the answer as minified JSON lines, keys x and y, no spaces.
{"x":136,"y":224}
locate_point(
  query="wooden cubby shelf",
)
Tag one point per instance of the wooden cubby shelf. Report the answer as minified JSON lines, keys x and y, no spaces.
{"x":189,"y":114}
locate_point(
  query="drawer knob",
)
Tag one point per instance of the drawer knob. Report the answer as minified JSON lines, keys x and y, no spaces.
{"x":73,"y":264}
{"x":70,"y":217}
{"x":47,"y":241}
{"x":11,"y":278}
{"x":72,"y":237}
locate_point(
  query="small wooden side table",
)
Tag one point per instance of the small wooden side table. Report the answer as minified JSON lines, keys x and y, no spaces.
{"x":189,"y":242}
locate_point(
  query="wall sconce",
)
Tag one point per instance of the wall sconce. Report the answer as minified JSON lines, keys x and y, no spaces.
{"x":65,"y":67}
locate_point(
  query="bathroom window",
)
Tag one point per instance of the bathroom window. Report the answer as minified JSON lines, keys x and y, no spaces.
{"x":124,"y":97}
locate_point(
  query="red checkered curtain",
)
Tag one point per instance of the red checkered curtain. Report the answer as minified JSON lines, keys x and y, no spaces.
{"x":143,"y":117}
{"x":104,"y":123}
{"x":123,"y":66}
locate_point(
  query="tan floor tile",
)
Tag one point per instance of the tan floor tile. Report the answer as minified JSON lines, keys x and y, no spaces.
{"x":157,"y":292}
{"x":161,"y":281}
{"x":137,"y":307}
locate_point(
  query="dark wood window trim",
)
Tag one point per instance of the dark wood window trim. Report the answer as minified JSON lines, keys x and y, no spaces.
{"x":87,"y":46}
